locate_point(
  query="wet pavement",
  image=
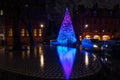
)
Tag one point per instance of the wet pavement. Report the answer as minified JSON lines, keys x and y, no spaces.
{"x":57,"y":62}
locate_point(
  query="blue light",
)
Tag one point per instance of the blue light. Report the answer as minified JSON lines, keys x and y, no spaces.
{"x":66,"y":56}
{"x":66,"y":34}
{"x":86,"y":43}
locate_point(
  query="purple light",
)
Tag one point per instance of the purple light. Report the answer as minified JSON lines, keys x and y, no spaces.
{"x":66,"y":56}
{"x":66,"y":33}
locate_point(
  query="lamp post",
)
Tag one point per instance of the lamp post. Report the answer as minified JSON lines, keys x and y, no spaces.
{"x":2,"y":27}
{"x":41,"y":25}
{"x":86,"y":26}
{"x":41,"y":31}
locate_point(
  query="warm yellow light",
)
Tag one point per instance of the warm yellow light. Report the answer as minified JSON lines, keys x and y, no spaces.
{"x":28,"y":51}
{"x":10,"y":32}
{"x":35,"y":32}
{"x":22,"y":32}
{"x":96,"y":37}
{"x":40,"y":49}
{"x":105,"y":37}
{"x":86,"y":59}
{"x":87,"y":36}
{"x":27,"y":33}
{"x":41,"y":57}
{"x":41,"y":61}
{"x":23,"y":54}
{"x":40,"y":32}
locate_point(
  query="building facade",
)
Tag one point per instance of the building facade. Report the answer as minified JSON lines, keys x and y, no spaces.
{"x":31,"y":14}
{"x":98,"y":23}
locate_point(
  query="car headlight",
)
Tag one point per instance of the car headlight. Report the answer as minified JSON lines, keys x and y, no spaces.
{"x":95,"y":46}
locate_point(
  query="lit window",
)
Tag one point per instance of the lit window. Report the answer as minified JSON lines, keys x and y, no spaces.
{"x":105,"y":37}
{"x":10,"y":32}
{"x":27,"y":33}
{"x":35,"y":32}
{"x":1,"y":12}
{"x":40,"y":32}
{"x":22,"y":32}
{"x":87,"y":36}
{"x":96,"y":37}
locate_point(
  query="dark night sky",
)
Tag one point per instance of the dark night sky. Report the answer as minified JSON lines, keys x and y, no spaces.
{"x":87,"y":3}
{"x":101,"y":3}
{"x":60,"y":6}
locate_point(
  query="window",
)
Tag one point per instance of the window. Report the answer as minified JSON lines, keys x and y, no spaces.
{"x":35,"y":32}
{"x":1,"y":12}
{"x":40,"y":32}
{"x":10,"y":32}
{"x":96,"y":37}
{"x":87,"y":36}
{"x":27,"y":33}
{"x":105,"y":37}
{"x":22,"y":32}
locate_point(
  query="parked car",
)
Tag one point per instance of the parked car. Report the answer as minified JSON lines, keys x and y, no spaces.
{"x":111,"y":45}
{"x":92,"y":44}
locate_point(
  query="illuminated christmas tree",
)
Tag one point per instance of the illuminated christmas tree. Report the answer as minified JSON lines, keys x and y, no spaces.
{"x":66,"y":34}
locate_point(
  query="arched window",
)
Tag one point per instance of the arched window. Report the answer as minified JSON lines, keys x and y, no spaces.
{"x":105,"y":37}
{"x":96,"y":37}
{"x":87,"y":36}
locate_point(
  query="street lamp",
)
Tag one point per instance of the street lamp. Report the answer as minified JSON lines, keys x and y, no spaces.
{"x":103,"y":30}
{"x":86,"y":26}
{"x":41,"y":31}
{"x":41,"y":25}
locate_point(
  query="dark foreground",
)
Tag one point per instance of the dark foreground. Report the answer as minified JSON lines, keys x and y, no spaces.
{"x":58,"y":65}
